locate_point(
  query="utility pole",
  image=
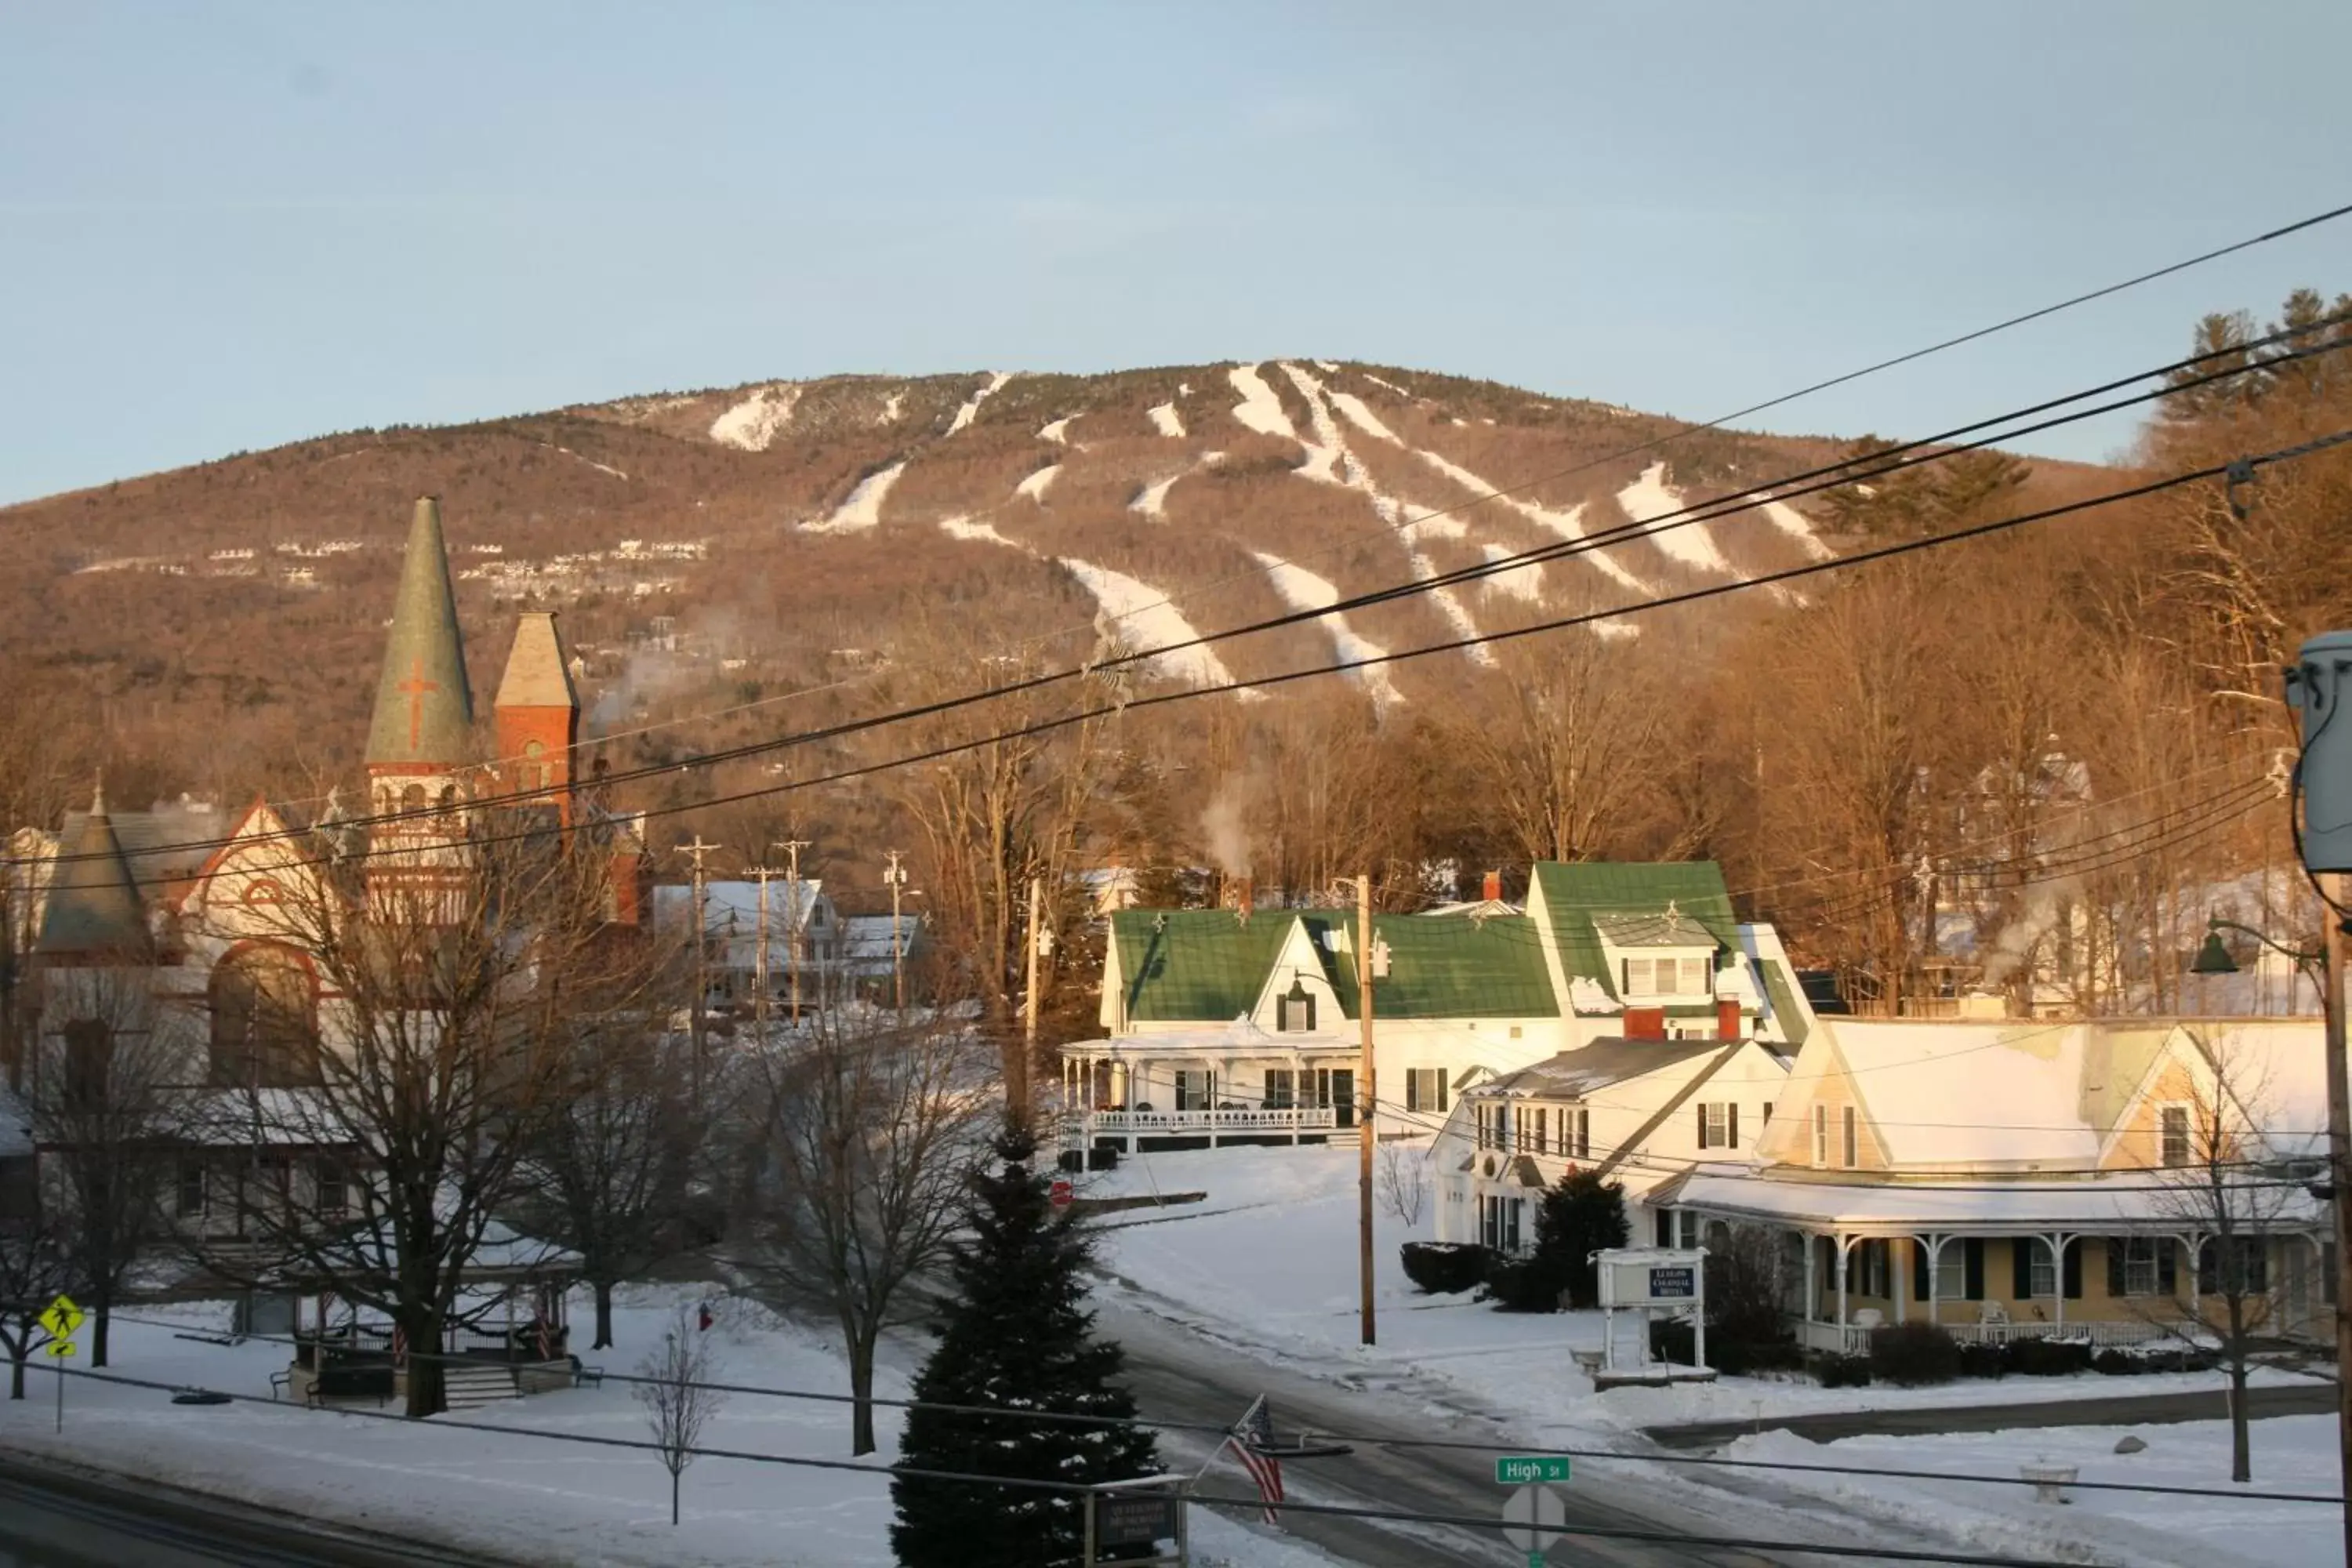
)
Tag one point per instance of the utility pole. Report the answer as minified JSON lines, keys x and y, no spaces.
{"x":1370,"y":1101}
{"x":698,"y":849}
{"x":897,"y":876}
{"x":2333,"y":888}
{"x":1016,"y":1085}
{"x":792,"y":848}
{"x":759,"y":957}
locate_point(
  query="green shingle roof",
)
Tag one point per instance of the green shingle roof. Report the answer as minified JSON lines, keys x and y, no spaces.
{"x":423,"y":707}
{"x":1194,"y":965}
{"x":94,"y":909}
{"x":1447,"y":967}
{"x":1575,"y":892}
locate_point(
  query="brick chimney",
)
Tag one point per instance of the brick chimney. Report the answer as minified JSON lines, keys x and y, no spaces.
{"x":1727,"y":1019}
{"x":1492,"y":891}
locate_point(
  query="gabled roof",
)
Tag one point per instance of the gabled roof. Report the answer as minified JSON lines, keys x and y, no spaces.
{"x":1573,"y":894}
{"x":423,"y":707}
{"x":93,"y":909}
{"x":1442,"y":967}
{"x":1209,"y":965}
{"x":1787,"y":1008}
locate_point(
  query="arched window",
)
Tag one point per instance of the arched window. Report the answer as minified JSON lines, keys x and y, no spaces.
{"x":535,"y":769}
{"x":265,"y":1026}
{"x":89,"y":1061}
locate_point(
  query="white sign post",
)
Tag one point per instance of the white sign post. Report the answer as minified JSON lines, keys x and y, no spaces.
{"x":1532,"y":1518}
{"x":1651,"y":1279}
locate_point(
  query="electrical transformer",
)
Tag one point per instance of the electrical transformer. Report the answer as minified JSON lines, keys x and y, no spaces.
{"x":2318,"y":684}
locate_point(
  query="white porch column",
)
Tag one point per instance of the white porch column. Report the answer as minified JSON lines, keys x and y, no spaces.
{"x":2192,"y":1243}
{"x":2057,"y":1242}
{"x":1844,"y":1245}
{"x":1812,"y":1276}
{"x":1935,"y":1286}
{"x":1901,"y":1282}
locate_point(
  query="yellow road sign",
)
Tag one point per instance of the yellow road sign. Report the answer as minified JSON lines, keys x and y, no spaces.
{"x":61,"y":1347}
{"x":62,"y":1317}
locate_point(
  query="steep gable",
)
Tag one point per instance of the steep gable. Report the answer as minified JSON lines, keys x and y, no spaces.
{"x":1193,"y":965}
{"x":1571,"y":895}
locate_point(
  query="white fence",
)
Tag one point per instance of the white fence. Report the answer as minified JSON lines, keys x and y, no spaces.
{"x":1300,"y":1119}
{"x":1854,"y":1339}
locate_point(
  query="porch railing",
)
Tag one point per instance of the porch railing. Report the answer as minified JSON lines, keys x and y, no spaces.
{"x":1261,"y":1118}
{"x":1854,"y":1339}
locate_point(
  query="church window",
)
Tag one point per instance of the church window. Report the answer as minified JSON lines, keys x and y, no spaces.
{"x":412,"y":798}
{"x":88,"y":1056}
{"x":264,"y":1020}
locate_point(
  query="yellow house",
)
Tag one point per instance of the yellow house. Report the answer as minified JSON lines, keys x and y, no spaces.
{"x":2101,"y":1178}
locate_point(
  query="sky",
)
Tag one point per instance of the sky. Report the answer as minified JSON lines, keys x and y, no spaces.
{"x":229,"y":227}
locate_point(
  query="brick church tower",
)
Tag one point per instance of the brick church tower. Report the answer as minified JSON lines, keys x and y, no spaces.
{"x":420,"y":738}
{"x":537,"y":715}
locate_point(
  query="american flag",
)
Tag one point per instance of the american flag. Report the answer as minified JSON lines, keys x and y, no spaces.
{"x":1253,"y":1440}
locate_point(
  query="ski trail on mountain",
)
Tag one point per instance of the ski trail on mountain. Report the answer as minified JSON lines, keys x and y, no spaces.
{"x":1303,"y":590}
{"x":962,"y":526}
{"x":1136,"y":615}
{"x":862,"y":508}
{"x":1568,"y":525}
{"x":1523,"y":581}
{"x":1649,"y":496}
{"x":750,"y":425}
{"x":971,"y":409}
{"x":1328,"y":460}
{"x":1259,"y":409}
{"x":1056,"y":431}
{"x":1166,"y":420}
{"x":1796,"y":526}
{"x":1037,"y":484}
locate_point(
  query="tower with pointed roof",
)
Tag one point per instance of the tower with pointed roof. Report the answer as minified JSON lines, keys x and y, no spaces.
{"x":420,"y":738}
{"x":94,"y":916}
{"x":537,"y":717}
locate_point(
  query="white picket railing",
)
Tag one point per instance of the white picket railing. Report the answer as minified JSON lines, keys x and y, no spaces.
{"x":1854,"y":1339}
{"x":1299,"y":1119}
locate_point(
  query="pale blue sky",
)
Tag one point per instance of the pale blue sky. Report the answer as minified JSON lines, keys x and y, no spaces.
{"x":231,"y":225}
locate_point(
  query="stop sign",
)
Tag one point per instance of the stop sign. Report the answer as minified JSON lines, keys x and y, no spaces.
{"x":1060,"y":1193}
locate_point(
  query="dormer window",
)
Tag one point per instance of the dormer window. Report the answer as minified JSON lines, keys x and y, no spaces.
{"x":1295,"y":1009}
{"x":1678,"y":976}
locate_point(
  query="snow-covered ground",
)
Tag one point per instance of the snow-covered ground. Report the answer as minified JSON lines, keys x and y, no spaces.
{"x":862,"y":508}
{"x":1259,"y":409}
{"x":1796,"y":526}
{"x":1649,"y":499}
{"x":970,"y":408}
{"x":758,"y":419}
{"x":1165,"y":419}
{"x":963,"y":526}
{"x":502,"y":1491}
{"x":1146,"y":619}
{"x":1266,"y":1267}
{"x":1056,"y":431}
{"x":1303,"y":590}
{"x":1524,"y":583}
{"x":1036,"y":484}
{"x":1152,"y":500}
{"x":2291,"y":1453}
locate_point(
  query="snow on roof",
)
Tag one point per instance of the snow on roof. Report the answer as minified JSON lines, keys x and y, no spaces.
{"x":2277,"y":1071}
{"x":1573,"y":1074}
{"x":1946,"y":1094}
{"x":674,"y":903}
{"x":2131,"y":1198}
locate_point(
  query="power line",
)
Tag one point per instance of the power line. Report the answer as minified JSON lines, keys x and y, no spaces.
{"x":1926,"y":449}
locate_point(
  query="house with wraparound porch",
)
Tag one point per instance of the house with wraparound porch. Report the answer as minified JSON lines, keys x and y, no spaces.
{"x":2100,"y":1179}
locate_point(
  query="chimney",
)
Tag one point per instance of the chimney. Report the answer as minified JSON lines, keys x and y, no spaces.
{"x":1727,"y":1019}
{"x":1644,"y":1022}
{"x":1493,"y":889}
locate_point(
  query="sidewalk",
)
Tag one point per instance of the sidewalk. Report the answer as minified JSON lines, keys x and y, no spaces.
{"x":2130,"y":1410}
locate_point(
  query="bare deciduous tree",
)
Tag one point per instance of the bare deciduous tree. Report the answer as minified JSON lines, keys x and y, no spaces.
{"x":676,"y":1395}
{"x":1573,"y":747}
{"x":866,"y":1134}
{"x":1403,"y":1182}
{"x":36,"y":1267}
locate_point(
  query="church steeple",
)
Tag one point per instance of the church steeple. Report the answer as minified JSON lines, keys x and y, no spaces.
{"x":537,"y":714}
{"x":94,"y":913}
{"x":423,"y":707}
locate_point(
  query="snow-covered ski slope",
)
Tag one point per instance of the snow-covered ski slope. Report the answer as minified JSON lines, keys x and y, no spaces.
{"x":1303,"y":590}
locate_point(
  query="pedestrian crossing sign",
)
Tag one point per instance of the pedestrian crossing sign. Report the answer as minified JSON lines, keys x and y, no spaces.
{"x":61,"y":1318}
{"x":61,"y":1347}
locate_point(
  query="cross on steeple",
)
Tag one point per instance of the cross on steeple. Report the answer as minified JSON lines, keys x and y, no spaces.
{"x":414,"y":688}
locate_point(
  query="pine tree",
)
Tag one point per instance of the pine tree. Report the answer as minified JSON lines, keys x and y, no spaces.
{"x":1019,"y":1334}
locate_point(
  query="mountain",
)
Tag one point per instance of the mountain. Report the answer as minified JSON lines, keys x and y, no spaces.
{"x":719,"y":547}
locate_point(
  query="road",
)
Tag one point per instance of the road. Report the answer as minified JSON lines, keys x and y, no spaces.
{"x":2125,"y":1410}
{"x":1178,"y":1375}
{"x":53,"y":1518}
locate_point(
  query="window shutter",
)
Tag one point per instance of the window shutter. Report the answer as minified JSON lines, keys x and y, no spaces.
{"x":1701,"y":1109}
{"x":1918,"y":1270}
{"x":1731,"y":1115}
{"x":2021,"y":1267}
{"x":1975,"y":1266}
{"x":2167,"y":1264}
{"x":2071,"y":1274}
{"x":1439,"y":1074}
{"x":2114,"y":1250}
{"x":1412,"y":1090}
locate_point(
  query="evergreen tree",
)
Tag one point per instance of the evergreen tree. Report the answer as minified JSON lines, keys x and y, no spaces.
{"x":1019,"y":1334}
{"x":1580,"y":1215}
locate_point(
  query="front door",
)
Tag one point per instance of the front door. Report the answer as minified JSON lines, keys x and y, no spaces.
{"x":1335,"y":1091}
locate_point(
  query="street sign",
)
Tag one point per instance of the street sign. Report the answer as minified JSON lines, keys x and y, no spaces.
{"x":60,"y":1347}
{"x":61,"y":1318}
{"x":1532,"y":1518}
{"x":1531,"y":1469}
{"x":1060,"y":1193}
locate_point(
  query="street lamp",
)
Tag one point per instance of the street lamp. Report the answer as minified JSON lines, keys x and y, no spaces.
{"x":2214,"y":958}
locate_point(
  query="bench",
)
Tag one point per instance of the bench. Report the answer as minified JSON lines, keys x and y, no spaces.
{"x":587,"y":1376}
{"x":347,"y":1380}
